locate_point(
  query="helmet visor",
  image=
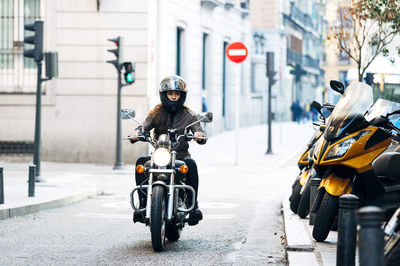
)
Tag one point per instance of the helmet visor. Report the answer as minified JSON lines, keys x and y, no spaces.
{"x":172,"y":84}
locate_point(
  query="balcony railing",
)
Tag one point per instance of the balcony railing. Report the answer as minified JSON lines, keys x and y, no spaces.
{"x":308,"y":61}
{"x":293,"y":57}
{"x":303,"y":19}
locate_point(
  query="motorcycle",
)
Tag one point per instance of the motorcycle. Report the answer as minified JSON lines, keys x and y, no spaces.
{"x":300,"y":198}
{"x":166,"y":210}
{"x":352,"y":140}
{"x":392,"y":240}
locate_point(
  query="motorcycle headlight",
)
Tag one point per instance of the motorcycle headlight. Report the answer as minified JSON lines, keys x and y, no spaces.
{"x":161,"y":157}
{"x":341,"y":148}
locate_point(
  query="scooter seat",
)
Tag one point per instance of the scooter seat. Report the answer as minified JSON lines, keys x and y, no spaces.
{"x":388,"y":165}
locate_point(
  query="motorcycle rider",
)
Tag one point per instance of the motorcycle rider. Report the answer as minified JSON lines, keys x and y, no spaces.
{"x":171,"y":114}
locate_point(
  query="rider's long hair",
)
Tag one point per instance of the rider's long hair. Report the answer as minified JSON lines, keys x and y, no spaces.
{"x":161,"y":118}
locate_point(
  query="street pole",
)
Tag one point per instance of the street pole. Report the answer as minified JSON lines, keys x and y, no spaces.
{"x":269,"y":150}
{"x":118,"y":161}
{"x":36,"y":145}
{"x":271,"y":81}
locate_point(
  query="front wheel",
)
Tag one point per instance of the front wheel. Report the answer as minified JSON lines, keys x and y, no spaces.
{"x":157,"y":219}
{"x":304,"y":204}
{"x":325,"y":217}
{"x":295,"y":197}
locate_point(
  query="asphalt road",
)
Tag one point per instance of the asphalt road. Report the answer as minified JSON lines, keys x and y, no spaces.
{"x":241,"y":205}
{"x":242,"y":223}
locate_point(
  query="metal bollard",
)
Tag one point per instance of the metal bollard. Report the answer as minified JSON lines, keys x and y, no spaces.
{"x":347,"y":231}
{"x":370,"y":236}
{"x":1,"y":186}
{"x":313,"y":194}
{"x":31,"y":181}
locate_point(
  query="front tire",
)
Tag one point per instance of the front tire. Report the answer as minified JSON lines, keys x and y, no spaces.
{"x":157,"y":219}
{"x":325,"y":217}
{"x":304,"y":204}
{"x":295,"y":197}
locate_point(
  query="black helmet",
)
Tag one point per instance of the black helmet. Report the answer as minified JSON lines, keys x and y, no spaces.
{"x":172,"y":83}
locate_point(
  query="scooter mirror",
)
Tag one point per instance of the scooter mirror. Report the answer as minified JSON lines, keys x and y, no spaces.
{"x":317,"y":106}
{"x":337,"y":86}
{"x":127,"y":113}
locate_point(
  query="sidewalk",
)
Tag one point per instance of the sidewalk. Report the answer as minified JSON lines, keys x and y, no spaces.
{"x":68,"y":183}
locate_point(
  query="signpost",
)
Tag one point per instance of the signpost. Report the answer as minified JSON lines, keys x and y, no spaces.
{"x":237,"y":53}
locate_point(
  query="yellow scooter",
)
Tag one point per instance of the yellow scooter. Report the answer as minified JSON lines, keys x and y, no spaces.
{"x":352,"y":140}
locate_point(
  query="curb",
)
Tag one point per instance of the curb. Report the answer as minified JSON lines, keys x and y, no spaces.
{"x":28,"y":209}
{"x":297,"y":238}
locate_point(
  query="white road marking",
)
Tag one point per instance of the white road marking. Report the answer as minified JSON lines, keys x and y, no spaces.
{"x":117,"y":205}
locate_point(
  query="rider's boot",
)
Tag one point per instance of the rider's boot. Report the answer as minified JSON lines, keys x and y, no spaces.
{"x":195,"y":215}
{"x":139,"y":216}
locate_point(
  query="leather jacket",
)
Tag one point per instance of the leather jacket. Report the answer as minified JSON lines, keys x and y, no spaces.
{"x":179,"y":121}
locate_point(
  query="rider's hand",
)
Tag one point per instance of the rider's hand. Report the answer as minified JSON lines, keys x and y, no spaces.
{"x":198,"y":134}
{"x":133,"y":135}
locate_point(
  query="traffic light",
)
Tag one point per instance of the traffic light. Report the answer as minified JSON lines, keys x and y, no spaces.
{"x":117,"y":52}
{"x":129,"y":72}
{"x":270,"y":68}
{"x":37,"y":40}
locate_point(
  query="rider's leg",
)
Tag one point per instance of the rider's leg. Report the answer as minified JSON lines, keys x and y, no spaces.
{"x":138,"y":216}
{"x":192,"y":179}
{"x":141,"y":180}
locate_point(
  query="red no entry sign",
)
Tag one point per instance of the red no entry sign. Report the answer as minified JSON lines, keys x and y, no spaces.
{"x":236,"y":52}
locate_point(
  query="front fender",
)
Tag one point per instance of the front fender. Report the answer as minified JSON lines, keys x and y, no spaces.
{"x":303,"y":177}
{"x":335,"y":185}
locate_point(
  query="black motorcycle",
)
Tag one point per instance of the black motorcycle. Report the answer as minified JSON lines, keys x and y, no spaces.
{"x":167,"y":209}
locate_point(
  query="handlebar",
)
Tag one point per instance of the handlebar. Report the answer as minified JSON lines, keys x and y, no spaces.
{"x":147,"y":138}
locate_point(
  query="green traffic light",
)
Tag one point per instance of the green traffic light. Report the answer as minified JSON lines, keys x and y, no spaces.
{"x":129,"y":77}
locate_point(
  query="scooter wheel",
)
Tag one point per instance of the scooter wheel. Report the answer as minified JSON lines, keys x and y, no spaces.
{"x":304,"y":204}
{"x":295,"y":197}
{"x":325,"y":217}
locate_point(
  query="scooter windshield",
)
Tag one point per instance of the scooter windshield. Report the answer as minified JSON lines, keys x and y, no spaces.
{"x":383,"y":107}
{"x":348,"y":115}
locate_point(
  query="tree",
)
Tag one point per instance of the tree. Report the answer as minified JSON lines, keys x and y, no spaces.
{"x":364,"y":29}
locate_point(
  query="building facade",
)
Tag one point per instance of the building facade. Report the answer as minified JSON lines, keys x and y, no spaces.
{"x":294,"y":31}
{"x":162,"y":37}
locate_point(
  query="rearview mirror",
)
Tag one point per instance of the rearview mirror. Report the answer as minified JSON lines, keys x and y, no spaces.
{"x":337,"y":86}
{"x":127,"y":113}
{"x":317,"y":106}
{"x":205,"y":117}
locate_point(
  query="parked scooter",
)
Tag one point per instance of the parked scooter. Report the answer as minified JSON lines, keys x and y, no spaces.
{"x":166,"y":210}
{"x":392,"y":240}
{"x":343,"y":156}
{"x":300,"y":198}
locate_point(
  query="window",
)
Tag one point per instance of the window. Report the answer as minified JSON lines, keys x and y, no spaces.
{"x":17,"y":74}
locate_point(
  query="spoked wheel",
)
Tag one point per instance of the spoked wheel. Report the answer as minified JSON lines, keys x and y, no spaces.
{"x":295,"y":197}
{"x":157,"y":220}
{"x":304,"y":204}
{"x":325,"y":217}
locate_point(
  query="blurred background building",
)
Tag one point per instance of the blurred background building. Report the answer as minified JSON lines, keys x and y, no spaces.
{"x":162,"y":37}
{"x":295,"y":32}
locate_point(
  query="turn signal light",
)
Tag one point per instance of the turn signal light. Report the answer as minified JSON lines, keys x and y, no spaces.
{"x":183,"y":169}
{"x":140,"y":169}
